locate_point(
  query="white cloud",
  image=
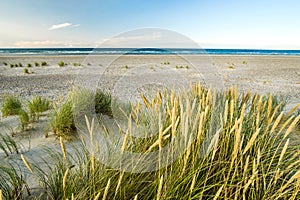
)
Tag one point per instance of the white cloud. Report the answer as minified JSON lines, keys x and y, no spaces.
{"x":52,"y":43}
{"x":59,"y":26}
{"x":42,"y":43}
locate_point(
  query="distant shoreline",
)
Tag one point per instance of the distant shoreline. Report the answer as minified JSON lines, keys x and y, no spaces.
{"x":142,"y":51}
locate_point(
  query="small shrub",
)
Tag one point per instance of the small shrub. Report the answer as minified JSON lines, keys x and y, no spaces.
{"x":126,"y":67}
{"x":23,"y":119}
{"x":231,"y":67}
{"x":187,"y":67}
{"x":20,"y":65}
{"x":244,"y":62}
{"x":62,"y":121}
{"x":61,"y":64}
{"x":4,"y":63}
{"x":11,"y":65}
{"x":26,"y":71}
{"x":44,"y":63}
{"x":37,"y":106}
{"x":29,"y":65}
{"x":36,"y":64}
{"x":11,"y":106}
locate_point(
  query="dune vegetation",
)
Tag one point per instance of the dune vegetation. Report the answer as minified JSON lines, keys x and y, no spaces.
{"x":236,"y":146}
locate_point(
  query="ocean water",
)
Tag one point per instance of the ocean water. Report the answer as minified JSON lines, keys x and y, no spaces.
{"x":140,"y":51}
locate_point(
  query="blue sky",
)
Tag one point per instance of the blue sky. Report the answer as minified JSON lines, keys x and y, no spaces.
{"x":267,"y":24}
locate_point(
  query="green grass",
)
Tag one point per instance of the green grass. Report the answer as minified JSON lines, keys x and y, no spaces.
{"x":26,"y":71}
{"x":248,"y":156}
{"x":24,"y":120}
{"x":8,"y":145}
{"x":62,"y":120}
{"x":103,"y":103}
{"x":44,"y":63}
{"x":37,"y":106}
{"x":76,"y":64}
{"x":61,"y":64}
{"x":12,"y":105}
{"x":36,"y":64}
{"x":13,"y":184}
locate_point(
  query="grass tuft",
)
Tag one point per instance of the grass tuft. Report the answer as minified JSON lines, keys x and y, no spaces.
{"x":37,"y":106}
{"x":44,"y":63}
{"x":62,"y":121}
{"x":11,"y":106}
{"x":61,"y":64}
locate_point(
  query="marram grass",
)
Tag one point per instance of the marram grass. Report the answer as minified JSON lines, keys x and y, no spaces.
{"x":240,"y":149}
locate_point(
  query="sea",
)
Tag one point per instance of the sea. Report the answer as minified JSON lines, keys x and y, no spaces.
{"x":140,"y":51}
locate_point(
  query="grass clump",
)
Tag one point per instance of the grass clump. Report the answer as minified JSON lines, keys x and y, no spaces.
{"x":23,"y":120}
{"x":44,"y":63}
{"x":5,"y":63}
{"x":248,"y":156}
{"x":62,"y":121}
{"x":36,"y":64}
{"x":11,"y":106}
{"x":231,"y":67}
{"x":76,"y":64}
{"x":126,"y":67}
{"x":8,"y":145}
{"x":61,"y":64}
{"x":103,"y":103}
{"x":26,"y":71}
{"x":235,"y":146}
{"x":13,"y":184}
{"x":11,"y":65}
{"x":37,"y":106}
{"x":29,"y":65}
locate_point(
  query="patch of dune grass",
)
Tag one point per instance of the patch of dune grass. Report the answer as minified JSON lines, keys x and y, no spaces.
{"x":36,"y":64}
{"x":62,"y":120}
{"x":12,"y":105}
{"x":13,"y":184}
{"x":23,"y":119}
{"x":37,"y":106}
{"x":26,"y":71}
{"x":235,"y":146}
{"x":61,"y":64}
{"x":8,"y":145}
{"x":249,"y":154}
{"x":44,"y":63}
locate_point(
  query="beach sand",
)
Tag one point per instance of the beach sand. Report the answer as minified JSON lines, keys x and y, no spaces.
{"x":279,"y":75}
{"x":128,"y":76}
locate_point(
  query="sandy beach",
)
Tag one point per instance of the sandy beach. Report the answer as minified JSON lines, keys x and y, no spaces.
{"x":262,"y":74}
{"x":128,"y":76}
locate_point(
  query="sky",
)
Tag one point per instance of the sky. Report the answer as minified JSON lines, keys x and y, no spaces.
{"x":255,"y":24}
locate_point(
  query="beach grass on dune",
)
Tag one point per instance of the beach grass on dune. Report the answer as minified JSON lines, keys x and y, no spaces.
{"x":11,"y":106}
{"x":239,"y":147}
